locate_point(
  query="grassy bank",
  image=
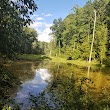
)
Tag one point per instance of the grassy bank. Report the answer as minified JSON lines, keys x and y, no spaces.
{"x":78,"y":62}
{"x":33,"y":57}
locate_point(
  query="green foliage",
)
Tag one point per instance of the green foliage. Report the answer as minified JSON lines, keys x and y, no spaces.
{"x":33,"y":57}
{"x":74,"y":34}
{"x":6,"y":108}
{"x":57,"y":30}
{"x":14,"y":15}
{"x":7,"y":82}
{"x":28,"y":43}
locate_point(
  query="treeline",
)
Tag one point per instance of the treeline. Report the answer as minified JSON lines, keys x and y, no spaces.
{"x":15,"y":35}
{"x":73,"y":35}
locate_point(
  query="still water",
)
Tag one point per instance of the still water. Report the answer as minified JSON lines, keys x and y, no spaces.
{"x":60,"y":86}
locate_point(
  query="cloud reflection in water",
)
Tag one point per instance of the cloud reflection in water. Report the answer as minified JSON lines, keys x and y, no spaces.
{"x":34,"y":86}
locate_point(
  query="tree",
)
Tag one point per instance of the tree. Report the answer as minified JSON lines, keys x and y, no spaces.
{"x":93,"y":37}
{"x":102,"y":34}
{"x":57,"y":30}
{"x":79,"y":29}
{"x":13,"y":16}
{"x":28,"y":42}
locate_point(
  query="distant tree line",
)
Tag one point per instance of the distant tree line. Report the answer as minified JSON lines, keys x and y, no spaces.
{"x":73,"y":35}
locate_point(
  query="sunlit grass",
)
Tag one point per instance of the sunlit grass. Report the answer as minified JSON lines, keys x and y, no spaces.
{"x":32,"y":57}
{"x":78,"y":62}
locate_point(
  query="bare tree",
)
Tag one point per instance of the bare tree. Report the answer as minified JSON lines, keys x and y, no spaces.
{"x":92,"y":37}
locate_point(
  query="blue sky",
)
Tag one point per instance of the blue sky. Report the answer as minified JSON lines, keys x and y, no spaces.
{"x":48,"y":10}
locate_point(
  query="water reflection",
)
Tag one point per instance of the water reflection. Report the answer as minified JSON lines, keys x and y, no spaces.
{"x":34,"y":86}
{"x":23,"y":70}
{"x":62,"y":85}
{"x":88,"y":74}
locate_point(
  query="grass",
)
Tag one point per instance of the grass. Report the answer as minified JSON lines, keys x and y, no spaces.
{"x":33,"y":57}
{"x":78,"y":62}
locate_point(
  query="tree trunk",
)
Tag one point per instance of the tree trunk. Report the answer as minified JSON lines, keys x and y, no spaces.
{"x":74,"y":46}
{"x":59,"y":48}
{"x":92,"y":38}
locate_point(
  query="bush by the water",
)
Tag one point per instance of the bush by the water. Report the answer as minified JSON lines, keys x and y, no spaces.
{"x":69,"y":58}
{"x":7,"y":82}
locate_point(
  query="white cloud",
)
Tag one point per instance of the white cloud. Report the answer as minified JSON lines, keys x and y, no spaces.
{"x":46,"y":15}
{"x":36,"y":24}
{"x":43,"y":14}
{"x":40,"y":18}
{"x":39,"y":31}
{"x":43,"y":29}
{"x":40,"y":24}
{"x":48,"y":25}
{"x":34,"y":16}
{"x":44,"y":36}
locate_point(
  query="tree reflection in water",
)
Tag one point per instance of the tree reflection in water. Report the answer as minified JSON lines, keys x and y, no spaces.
{"x":70,"y":87}
{"x":68,"y":92}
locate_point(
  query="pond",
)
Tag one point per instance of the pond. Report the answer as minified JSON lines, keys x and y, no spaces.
{"x":48,"y":85}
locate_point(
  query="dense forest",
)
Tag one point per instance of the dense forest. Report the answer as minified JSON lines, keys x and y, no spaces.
{"x":16,"y":37}
{"x":73,"y":36}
